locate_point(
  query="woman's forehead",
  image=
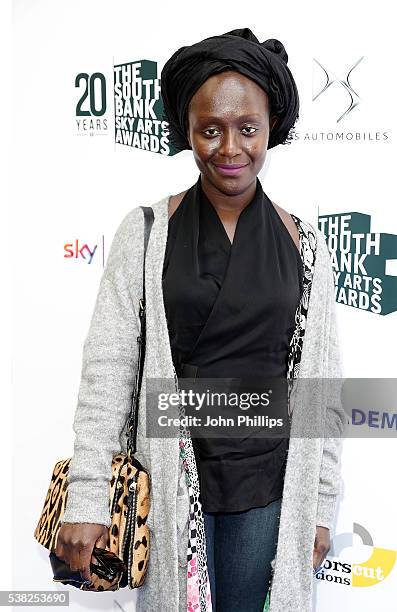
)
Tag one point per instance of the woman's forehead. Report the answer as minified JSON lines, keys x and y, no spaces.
{"x":213,"y":100}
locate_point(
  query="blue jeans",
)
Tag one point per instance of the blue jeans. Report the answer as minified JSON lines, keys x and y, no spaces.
{"x":240,"y":547}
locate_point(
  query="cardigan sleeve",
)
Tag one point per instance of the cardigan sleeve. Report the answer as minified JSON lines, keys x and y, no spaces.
{"x":336,"y":419}
{"x":109,"y":362}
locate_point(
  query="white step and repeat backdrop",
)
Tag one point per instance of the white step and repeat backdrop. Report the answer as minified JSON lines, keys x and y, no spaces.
{"x":81,"y":167}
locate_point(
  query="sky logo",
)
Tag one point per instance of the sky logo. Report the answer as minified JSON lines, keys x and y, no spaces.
{"x":83,"y":252}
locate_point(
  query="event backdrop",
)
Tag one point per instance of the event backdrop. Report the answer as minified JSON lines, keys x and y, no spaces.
{"x":90,"y":146}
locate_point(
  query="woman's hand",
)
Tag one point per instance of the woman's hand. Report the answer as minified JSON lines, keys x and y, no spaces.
{"x":76,"y":542}
{"x":322,"y":545}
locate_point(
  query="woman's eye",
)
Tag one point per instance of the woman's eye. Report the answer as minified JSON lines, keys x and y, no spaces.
{"x":210,"y":130}
{"x":249,"y":127}
{"x":213,"y":131}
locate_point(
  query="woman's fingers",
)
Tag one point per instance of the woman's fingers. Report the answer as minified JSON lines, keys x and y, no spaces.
{"x":59,"y":550}
{"x":84,"y":562}
{"x":321,"y":546}
{"x":75,"y":544}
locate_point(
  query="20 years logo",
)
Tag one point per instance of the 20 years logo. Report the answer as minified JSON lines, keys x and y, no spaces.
{"x":91,"y":106}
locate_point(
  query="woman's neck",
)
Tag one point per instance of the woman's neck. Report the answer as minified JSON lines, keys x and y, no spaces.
{"x":228,"y":205}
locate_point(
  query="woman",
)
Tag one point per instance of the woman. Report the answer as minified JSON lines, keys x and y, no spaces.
{"x":228,"y":99}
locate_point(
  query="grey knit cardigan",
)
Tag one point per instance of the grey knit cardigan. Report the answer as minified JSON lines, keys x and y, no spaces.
{"x":312,"y":476}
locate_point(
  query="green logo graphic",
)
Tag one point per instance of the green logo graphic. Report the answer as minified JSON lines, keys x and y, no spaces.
{"x":91,"y":105}
{"x":360,"y":259}
{"x":138,"y":108}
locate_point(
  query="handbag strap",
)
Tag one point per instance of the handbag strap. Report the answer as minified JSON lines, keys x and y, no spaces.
{"x":141,"y":339}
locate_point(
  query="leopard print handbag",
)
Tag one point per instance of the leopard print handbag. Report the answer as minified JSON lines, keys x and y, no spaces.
{"x":125,"y":559}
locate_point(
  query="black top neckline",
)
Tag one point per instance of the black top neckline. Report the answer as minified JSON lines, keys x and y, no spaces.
{"x":205,"y":201}
{"x":196,"y":193}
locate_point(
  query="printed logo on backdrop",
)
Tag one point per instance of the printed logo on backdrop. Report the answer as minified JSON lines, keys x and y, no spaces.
{"x":342,"y":81}
{"x":377,"y":566}
{"x":138,"y":108}
{"x":91,"y":104}
{"x":80,"y":252}
{"x":337,"y":103}
{"x":364,"y":262}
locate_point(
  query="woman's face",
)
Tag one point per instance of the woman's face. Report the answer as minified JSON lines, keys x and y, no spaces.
{"x":229,"y":125}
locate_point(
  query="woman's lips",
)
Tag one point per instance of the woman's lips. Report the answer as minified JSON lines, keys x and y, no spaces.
{"x":231,"y":170}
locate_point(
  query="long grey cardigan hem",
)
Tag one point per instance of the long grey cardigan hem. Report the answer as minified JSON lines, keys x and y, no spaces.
{"x":312,"y":477}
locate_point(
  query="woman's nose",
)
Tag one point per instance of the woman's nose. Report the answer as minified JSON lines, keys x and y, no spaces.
{"x":230,"y":143}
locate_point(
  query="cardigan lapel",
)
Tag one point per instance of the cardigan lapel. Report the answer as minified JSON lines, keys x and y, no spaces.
{"x":163,"y":452}
{"x":292,"y":579}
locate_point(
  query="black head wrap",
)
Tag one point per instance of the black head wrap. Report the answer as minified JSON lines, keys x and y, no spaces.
{"x":239,"y":50}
